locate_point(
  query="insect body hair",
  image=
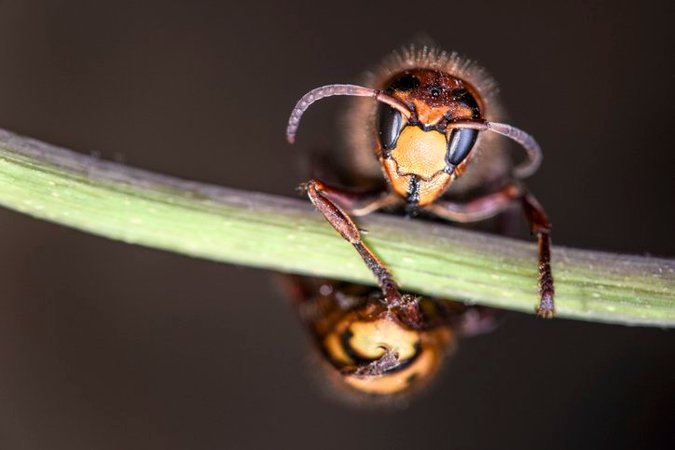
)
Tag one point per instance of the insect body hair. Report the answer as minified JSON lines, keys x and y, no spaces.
{"x":359,"y":123}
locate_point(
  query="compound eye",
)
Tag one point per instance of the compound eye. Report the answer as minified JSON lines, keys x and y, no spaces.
{"x":460,"y":144}
{"x":389,"y":126}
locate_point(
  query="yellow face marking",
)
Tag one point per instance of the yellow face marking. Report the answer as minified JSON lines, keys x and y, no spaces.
{"x":400,"y":183}
{"x":420,"y":152}
{"x":429,"y":190}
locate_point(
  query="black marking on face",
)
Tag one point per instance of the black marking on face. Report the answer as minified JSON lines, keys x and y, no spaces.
{"x":405,"y":83}
{"x":464,"y":96}
{"x":413,"y":197}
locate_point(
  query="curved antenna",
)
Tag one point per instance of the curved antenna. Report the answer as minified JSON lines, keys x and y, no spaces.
{"x":338,"y":89}
{"x":534,"y":154}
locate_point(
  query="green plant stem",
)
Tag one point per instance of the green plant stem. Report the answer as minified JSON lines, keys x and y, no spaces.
{"x":277,"y":233}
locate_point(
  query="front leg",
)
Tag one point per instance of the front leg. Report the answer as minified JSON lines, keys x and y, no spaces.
{"x":492,"y":204}
{"x":319,"y":194}
{"x":541,"y":227}
{"x":477,"y":209}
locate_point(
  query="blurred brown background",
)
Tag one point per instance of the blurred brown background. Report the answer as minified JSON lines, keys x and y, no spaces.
{"x":109,"y":346}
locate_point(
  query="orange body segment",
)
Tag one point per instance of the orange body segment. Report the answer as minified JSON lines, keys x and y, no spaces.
{"x":418,"y":354}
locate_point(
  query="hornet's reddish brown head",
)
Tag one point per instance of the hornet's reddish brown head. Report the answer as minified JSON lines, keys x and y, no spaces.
{"x":428,"y":122}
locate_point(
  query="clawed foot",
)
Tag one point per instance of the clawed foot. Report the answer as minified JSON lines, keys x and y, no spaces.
{"x":546,"y":310}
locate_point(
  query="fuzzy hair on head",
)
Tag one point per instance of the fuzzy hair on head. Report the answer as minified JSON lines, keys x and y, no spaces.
{"x":425,"y":57}
{"x":360,"y":119}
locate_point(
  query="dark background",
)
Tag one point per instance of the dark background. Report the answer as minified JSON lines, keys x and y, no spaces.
{"x":108,"y":346}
